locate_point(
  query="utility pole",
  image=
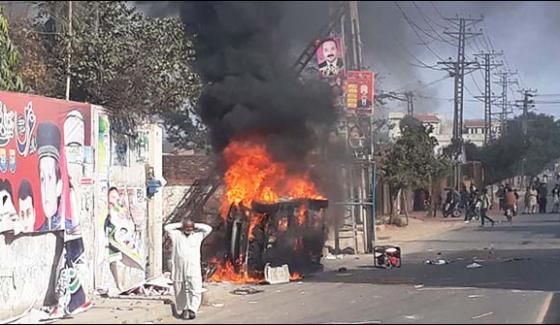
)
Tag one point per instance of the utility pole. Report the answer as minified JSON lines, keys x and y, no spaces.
{"x":458,"y":68}
{"x":505,"y":81}
{"x":526,"y":103}
{"x":409,"y":103}
{"x":487,"y":96}
{"x":69,"y":50}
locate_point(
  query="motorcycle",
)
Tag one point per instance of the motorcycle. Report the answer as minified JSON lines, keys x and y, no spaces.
{"x":452,"y":209}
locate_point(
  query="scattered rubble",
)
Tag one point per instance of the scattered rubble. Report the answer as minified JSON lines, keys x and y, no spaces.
{"x":476,"y":296}
{"x":246,"y":291}
{"x":483,"y":315}
{"x":153,"y":287}
{"x":473,"y":266}
{"x":436,"y":262}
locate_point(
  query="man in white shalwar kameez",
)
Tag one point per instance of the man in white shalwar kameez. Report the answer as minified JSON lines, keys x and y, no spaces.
{"x":187,"y":238}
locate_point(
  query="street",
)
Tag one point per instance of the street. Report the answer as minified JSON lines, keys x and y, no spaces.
{"x":515,"y":284}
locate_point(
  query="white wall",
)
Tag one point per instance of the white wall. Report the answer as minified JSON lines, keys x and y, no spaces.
{"x":26,"y":271}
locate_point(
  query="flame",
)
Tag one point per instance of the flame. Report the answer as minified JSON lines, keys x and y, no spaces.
{"x":295,"y":276}
{"x":227,"y":273}
{"x":301,"y":215}
{"x":255,"y":220}
{"x":252,"y":175}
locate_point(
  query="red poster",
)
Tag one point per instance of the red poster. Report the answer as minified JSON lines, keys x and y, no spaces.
{"x":359,"y":91}
{"x":34,"y":182}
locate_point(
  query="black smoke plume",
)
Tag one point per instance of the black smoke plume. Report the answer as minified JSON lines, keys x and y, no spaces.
{"x":250,"y":88}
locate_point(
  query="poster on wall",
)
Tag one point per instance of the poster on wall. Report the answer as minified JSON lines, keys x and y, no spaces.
{"x":330,"y":59}
{"x":359,"y":92}
{"x":124,"y":226}
{"x":34,"y":181}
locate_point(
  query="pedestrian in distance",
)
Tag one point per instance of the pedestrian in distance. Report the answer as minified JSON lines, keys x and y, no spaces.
{"x":187,"y":238}
{"x":526,"y":201}
{"x":543,"y":193}
{"x":484,"y":200}
{"x":533,"y":199}
{"x":516,"y":205}
{"x":509,"y":204}
{"x":500,"y":194}
{"x":556,"y":198}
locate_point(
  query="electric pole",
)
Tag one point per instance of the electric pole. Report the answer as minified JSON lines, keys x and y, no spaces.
{"x":457,"y":69}
{"x":488,"y":96}
{"x":69,"y":50}
{"x":526,"y":104}
{"x":505,"y":81}
{"x":409,"y":103}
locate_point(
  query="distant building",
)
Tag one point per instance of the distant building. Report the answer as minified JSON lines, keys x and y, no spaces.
{"x":473,"y":131}
{"x":441,"y":128}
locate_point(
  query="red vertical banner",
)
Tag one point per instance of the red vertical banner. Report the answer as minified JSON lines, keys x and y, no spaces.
{"x":360,"y":92}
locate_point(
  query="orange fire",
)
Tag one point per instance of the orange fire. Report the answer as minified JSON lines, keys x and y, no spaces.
{"x":255,"y":220}
{"x":252,"y":175}
{"x":227,"y":273}
{"x":295,"y":276}
{"x":301,"y":215}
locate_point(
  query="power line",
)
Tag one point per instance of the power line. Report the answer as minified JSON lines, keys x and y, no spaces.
{"x":438,"y":12}
{"x":411,"y":24}
{"x":427,"y":20}
{"x":422,"y":64}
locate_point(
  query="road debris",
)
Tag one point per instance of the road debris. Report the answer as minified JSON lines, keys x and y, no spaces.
{"x":342,"y":269}
{"x":517,"y":259}
{"x":277,"y":275}
{"x":217,"y":305}
{"x":473,"y":266}
{"x":246,"y":291}
{"x":476,"y":296}
{"x":418,"y":286}
{"x":436,"y":262}
{"x":483,"y":315}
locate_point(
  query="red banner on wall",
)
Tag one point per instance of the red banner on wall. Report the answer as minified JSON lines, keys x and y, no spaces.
{"x":34,"y":181}
{"x":359,"y":91}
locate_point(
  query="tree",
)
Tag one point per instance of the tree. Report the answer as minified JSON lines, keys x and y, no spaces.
{"x":410,"y":162}
{"x":136,"y":66}
{"x":515,"y":154}
{"x":10,"y":79}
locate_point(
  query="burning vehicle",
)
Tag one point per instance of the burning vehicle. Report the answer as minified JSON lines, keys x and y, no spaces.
{"x":290,"y":232}
{"x":271,"y":216}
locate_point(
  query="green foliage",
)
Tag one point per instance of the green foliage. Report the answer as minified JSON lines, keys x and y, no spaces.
{"x":10,"y":78}
{"x":410,"y":161}
{"x":504,"y":157}
{"x":134,"y":65}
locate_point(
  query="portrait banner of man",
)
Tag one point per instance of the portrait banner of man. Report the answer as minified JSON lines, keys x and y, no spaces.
{"x":330,"y":58}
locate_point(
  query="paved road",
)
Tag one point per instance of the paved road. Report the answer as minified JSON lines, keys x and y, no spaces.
{"x":516,"y":283}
